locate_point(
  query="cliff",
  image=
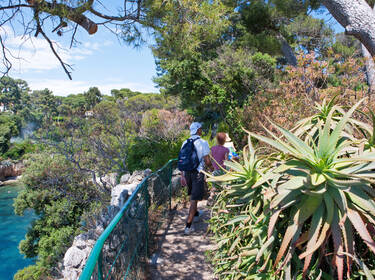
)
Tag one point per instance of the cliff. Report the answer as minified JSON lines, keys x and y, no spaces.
{"x":9,"y":169}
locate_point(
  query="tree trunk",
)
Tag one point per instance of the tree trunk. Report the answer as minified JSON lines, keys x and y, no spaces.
{"x":370,"y":68}
{"x":358,"y":19}
{"x":287,"y":50}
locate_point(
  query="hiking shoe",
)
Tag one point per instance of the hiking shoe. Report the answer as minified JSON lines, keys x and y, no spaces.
{"x":199,"y":217}
{"x":188,"y":230}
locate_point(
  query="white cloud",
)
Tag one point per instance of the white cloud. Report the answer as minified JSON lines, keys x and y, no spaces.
{"x":31,"y":53}
{"x":66,"y":87}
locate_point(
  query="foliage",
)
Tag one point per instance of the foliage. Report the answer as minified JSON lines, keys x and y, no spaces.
{"x":159,"y":125}
{"x":18,"y":150}
{"x":9,"y":126}
{"x":13,"y":94}
{"x":313,"y":80}
{"x":238,"y":222}
{"x":314,"y":199}
{"x":161,"y":136}
{"x":59,"y":195}
{"x":144,"y":153}
{"x":124,"y":93}
{"x":92,"y":97}
{"x":32,"y":272}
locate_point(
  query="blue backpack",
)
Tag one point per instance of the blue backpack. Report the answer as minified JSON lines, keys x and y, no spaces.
{"x":188,"y":157}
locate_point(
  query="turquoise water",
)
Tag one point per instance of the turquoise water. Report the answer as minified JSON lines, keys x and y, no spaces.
{"x":12,"y":230}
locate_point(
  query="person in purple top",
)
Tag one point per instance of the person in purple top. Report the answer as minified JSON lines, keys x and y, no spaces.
{"x":219,"y":152}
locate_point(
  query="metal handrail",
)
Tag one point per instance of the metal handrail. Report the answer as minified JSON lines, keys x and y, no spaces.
{"x":96,"y":251}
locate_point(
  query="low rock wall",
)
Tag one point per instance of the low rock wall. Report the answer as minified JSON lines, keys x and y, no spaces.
{"x":10,"y":169}
{"x":76,"y":256}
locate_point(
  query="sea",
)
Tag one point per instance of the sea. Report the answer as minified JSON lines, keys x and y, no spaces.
{"x":12,"y":230}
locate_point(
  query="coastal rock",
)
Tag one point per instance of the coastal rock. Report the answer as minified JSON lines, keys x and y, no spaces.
{"x":147,"y":172}
{"x":10,"y":169}
{"x":109,"y":179}
{"x":119,"y":195}
{"x":125,"y":178}
{"x":70,"y":274}
{"x":131,"y":187}
{"x":136,"y":177}
{"x":74,"y":257}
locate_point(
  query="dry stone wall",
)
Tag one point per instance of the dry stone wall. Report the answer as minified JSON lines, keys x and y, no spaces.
{"x":76,"y":256}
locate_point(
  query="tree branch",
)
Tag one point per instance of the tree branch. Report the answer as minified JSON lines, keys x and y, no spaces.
{"x":63,"y":64}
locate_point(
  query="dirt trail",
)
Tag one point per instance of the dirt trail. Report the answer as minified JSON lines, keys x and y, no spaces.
{"x":183,"y":256}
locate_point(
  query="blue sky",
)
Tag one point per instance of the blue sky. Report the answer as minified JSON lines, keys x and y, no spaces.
{"x":99,"y":60}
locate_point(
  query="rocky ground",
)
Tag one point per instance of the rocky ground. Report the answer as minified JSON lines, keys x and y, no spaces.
{"x":9,"y":172}
{"x":183,"y":256}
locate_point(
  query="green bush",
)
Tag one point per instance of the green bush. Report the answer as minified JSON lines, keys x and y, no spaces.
{"x":144,"y":153}
{"x":17,"y":150}
{"x":32,"y":272}
{"x":314,"y":209}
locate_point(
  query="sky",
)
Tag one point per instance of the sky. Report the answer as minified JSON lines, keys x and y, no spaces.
{"x":99,"y":60}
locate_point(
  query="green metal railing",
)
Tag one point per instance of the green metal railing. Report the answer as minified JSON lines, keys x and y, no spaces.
{"x":122,"y":250}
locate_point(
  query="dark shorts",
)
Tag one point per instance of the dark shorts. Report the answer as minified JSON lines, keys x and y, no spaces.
{"x":195,"y":184}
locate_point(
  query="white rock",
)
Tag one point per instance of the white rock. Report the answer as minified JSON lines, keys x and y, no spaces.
{"x":147,"y":172}
{"x":119,"y":194}
{"x":73,"y":257}
{"x":70,"y":274}
{"x":131,"y":187}
{"x":108,"y":179}
{"x":99,"y":230}
{"x":125,"y":178}
{"x":81,"y":244}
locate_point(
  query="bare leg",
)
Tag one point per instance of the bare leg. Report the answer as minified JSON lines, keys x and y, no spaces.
{"x":192,"y":210}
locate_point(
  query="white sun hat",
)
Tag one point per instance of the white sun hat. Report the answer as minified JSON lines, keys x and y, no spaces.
{"x":194,"y":128}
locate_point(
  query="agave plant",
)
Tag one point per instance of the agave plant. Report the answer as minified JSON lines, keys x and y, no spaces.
{"x":310,"y":125}
{"x":238,"y":222}
{"x":323,"y":188}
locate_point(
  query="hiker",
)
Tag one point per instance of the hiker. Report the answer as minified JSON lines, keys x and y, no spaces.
{"x":219,"y":152}
{"x":192,"y":159}
{"x":232,"y":150}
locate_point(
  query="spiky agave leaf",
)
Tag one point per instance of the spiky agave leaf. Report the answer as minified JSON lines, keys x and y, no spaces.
{"x":309,"y":127}
{"x":322,"y":188}
{"x":238,"y":222}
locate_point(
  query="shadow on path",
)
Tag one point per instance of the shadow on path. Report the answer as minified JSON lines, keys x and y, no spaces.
{"x":183,"y":256}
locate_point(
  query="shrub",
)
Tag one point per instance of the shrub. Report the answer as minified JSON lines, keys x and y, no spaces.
{"x":317,"y":201}
{"x":17,"y":150}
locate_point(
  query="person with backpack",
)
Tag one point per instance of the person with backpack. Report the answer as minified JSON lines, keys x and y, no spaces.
{"x":192,"y":159}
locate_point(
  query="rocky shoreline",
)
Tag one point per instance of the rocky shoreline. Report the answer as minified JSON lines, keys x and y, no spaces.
{"x":10,"y":172}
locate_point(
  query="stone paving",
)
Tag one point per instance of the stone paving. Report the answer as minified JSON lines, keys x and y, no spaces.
{"x":183,"y":256}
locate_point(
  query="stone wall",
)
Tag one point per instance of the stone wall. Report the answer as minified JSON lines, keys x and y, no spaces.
{"x":10,"y":169}
{"x":76,"y":256}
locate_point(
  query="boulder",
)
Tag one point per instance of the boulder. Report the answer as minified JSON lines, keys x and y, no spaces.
{"x":176,"y":172}
{"x":131,"y":187}
{"x":9,"y":169}
{"x":70,"y":274}
{"x":109,"y":179}
{"x":119,"y":195}
{"x":147,"y":172}
{"x":80,"y":244}
{"x":74,"y":257}
{"x":125,"y":178}
{"x":136,"y":177}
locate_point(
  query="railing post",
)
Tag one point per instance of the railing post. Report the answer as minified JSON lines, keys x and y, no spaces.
{"x":100,"y":266}
{"x":147,"y":197}
{"x":170,"y":185}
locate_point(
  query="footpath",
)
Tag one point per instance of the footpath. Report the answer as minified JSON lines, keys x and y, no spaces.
{"x":182,"y":256}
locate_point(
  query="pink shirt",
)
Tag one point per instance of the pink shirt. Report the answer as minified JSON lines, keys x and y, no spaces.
{"x":218,"y":153}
